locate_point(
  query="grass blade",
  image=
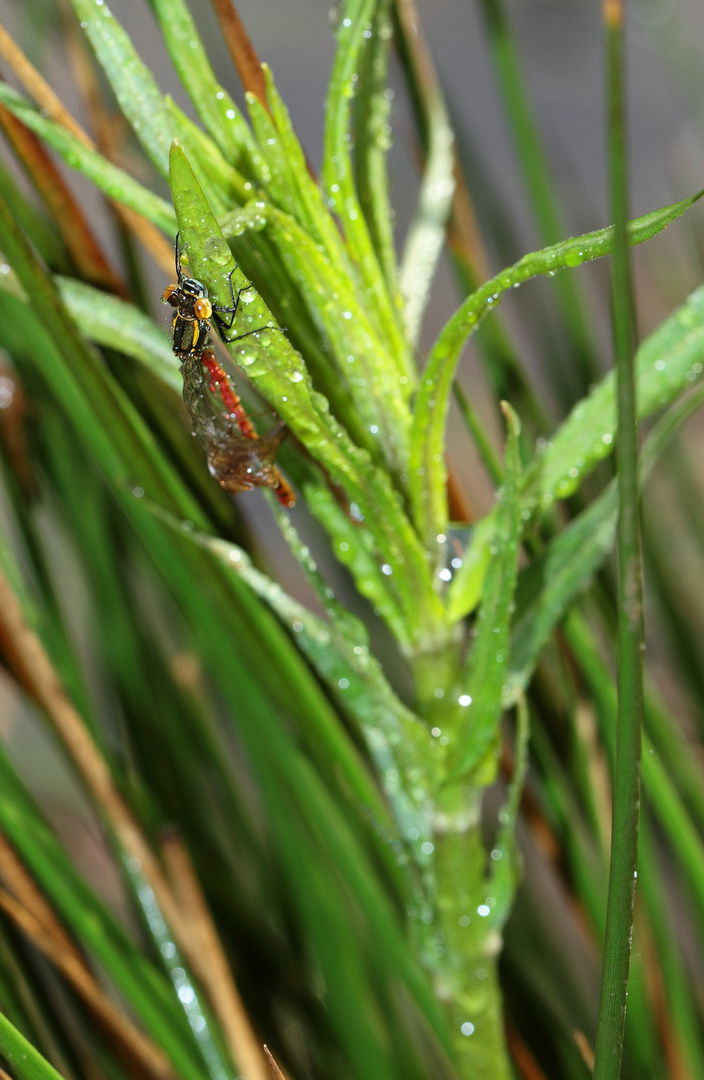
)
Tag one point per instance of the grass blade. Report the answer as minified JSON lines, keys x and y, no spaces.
{"x":26,"y":1062}
{"x":624,"y":838}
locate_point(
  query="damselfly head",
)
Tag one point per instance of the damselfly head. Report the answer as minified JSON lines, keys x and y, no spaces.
{"x":193,"y":287}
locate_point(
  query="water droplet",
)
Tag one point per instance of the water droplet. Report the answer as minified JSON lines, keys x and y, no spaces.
{"x":217,"y":250}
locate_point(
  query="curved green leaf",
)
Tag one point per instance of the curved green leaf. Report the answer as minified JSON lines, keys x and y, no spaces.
{"x":668,"y":361}
{"x":550,"y":585}
{"x":427,"y":465}
{"x":307,"y":205}
{"x":224,"y":184}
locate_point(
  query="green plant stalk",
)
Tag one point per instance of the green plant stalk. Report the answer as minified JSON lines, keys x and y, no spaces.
{"x":467,"y":899}
{"x":668,"y":806}
{"x":624,"y":843}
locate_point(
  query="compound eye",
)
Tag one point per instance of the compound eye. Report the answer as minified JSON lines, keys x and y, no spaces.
{"x":202,"y":308}
{"x":167,"y":295}
{"x":194,"y":287}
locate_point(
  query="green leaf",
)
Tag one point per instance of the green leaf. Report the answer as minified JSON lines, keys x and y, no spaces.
{"x":557,"y":577}
{"x":354,"y":548}
{"x":505,"y":856}
{"x":465,"y":592}
{"x":224,"y":184}
{"x":355,"y":19}
{"x":551,"y":584}
{"x":25,"y":1062}
{"x":216,"y":109}
{"x":365,"y":369}
{"x":428,"y":472}
{"x":199,"y":1020}
{"x":111,"y":322}
{"x":668,"y":361}
{"x":306,"y":204}
{"x":339,"y":652}
{"x":137,"y":978}
{"x":114,"y":182}
{"x":489,"y":656}
{"x":372,"y":110}
{"x":133,"y":84}
{"x":426,"y":234}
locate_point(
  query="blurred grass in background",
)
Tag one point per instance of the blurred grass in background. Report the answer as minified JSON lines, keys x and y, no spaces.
{"x":300,"y":789}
